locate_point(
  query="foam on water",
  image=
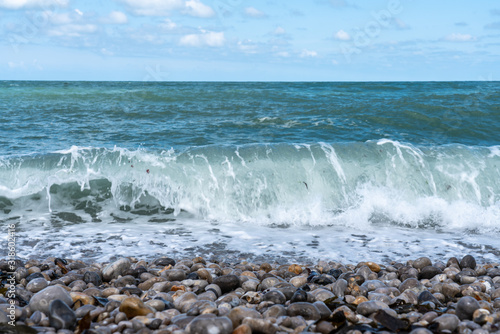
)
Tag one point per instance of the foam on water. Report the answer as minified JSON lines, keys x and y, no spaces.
{"x":343,"y":201}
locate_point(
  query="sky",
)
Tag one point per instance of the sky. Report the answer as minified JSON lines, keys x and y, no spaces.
{"x":258,"y":40}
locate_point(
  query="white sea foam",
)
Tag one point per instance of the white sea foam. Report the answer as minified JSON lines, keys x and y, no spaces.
{"x":264,"y":197}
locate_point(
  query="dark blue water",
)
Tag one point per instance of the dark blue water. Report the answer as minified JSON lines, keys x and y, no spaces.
{"x":140,"y":160}
{"x":46,"y":116}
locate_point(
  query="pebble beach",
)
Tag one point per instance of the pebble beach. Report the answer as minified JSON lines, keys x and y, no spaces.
{"x":198,"y":295}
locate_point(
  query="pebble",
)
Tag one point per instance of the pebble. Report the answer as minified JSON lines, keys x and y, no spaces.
{"x":210,"y":325}
{"x":227,"y":283}
{"x":447,"y":322}
{"x":371,"y":306}
{"x":41,"y":300}
{"x":200,"y":296}
{"x":274,"y":296}
{"x":37,"y":284}
{"x":115,"y":269}
{"x":133,"y":306}
{"x":60,"y":315}
{"x":468,"y":261}
{"x":306,"y":310}
{"x":92,"y":277}
{"x":466,"y":307}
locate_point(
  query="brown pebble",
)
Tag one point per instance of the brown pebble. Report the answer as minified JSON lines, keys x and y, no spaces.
{"x":133,"y":306}
{"x":295,"y":268}
{"x":242,"y":329}
{"x":266,"y":267}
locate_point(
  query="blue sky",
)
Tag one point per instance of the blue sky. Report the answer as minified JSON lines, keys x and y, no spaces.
{"x":237,"y":40}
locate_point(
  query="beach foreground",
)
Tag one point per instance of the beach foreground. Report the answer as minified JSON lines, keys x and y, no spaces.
{"x":199,"y":295}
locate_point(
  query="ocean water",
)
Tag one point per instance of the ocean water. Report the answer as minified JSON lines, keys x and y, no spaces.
{"x":260,"y":171}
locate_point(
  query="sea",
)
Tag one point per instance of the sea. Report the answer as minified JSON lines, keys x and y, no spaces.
{"x":257,"y":171}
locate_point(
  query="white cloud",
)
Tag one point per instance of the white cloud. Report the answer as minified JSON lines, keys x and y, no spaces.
{"x":253,"y":12}
{"x":115,"y":17}
{"x":164,"y":7}
{"x":154,"y":7}
{"x":401,"y":25}
{"x":167,"y":24}
{"x":13,"y":64}
{"x":205,"y":38}
{"x":341,"y":35}
{"x":198,"y":9}
{"x":279,"y":31}
{"x":455,"y":37}
{"x":247,"y":46}
{"x":73,"y":30}
{"x":283,"y":54}
{"x":79,"y":12}
{"x":106,"y":52}
{"x":61,"y":18}
{"x":307,"y":53}
{"x":18,"y":4}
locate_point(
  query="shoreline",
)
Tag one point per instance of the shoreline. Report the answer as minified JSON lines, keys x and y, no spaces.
{"x":195,"y":295}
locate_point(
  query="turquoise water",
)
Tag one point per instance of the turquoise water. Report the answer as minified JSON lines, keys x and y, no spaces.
{"x":302,"y":170}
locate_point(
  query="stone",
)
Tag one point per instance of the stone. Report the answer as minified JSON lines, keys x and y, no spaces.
{"x":450,"y":290}
{"x":409,"y":283}
{"x":298,"y":281}
{"x":84,"y":310}
{"x":156,"y":304}
{"x":295,"y":268}
{"x":324,"y":311}
{"x":287,"y":289}
{"x":339,"y":287}
{"x":421,"y":330}
{"x":242,"y":329}
{"x":468,"y":261}
{"x":133,"y":306}
{"x":466,"y":307}
{"x":389,"y":321}
{"x":371,"y":306}
{"x":250,"y":285}
{"x":164,"y":261}
{"x":269,"y":282}
{"x":115,"y":269}
{"x":371,"y":285}
{"x":299,"y":296}
{"x":174,"y":275}
{"x":41,"y":300}
{"x":227,"y":283}
{"x":124,"y":281}
{"x":92,"y":277}
{"x":373,"y":267}
{"x":263,"y":326}
{"x":429,"y":272}
{"x":210,"y":325}
{"x":322,"y":294}
{"x":379,"y":296}
{"x":322,"y":280}
{"x":185,"y":301}
{"x":448,"y":322}
{"x":306,"y":310}
{"x":80,"y":297}
{"x":274,"y":296}
{"x":422,"y":262}
{"x":37,"y":284}
{"x":239,"y":313}
{"x":275,"y":311}
{"x":60,"y":315}
{"x":426,"y":296}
